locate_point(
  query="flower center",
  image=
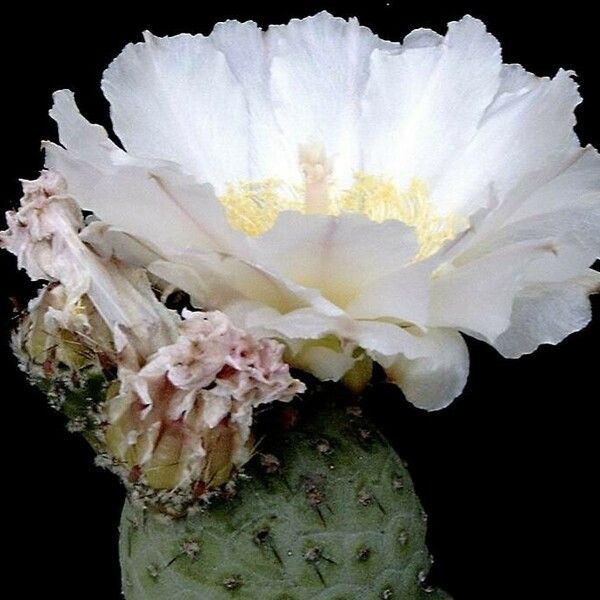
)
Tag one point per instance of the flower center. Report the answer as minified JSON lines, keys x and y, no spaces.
{"x":253,"y":206}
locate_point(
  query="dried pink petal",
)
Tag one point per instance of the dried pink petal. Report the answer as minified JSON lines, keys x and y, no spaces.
{"x":185,"y":417}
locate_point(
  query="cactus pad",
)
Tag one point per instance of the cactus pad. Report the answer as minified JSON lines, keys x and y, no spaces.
{"x":327,"y":512}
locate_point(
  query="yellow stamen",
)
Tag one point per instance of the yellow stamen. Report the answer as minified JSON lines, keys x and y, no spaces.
{"x":378,"y":199}
{"x":253,"y":207}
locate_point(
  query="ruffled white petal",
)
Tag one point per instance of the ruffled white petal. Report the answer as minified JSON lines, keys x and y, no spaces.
{"x":571,"y":181}
{"x":319,"y":70}
{"x":432,"y":381}
{"x":269,"y":153}
{"x":546,"y":314}
{"x":514,"y":79}
{"x":384,"y":341}
{"x":574,"y":181}
{"x":477,"y":296}
{"x":177,"y":99}
{"x":537,"y":238}
{"x":304,"y":324}
{"x":572,"y":236}
{"x":110,"y":243}
{"x":402,"y":296}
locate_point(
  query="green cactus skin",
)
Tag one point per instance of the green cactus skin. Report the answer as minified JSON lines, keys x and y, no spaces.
{"x":327,"y":512}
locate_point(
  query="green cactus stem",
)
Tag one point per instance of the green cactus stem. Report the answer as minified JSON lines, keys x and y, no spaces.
{"x":327,"y":511}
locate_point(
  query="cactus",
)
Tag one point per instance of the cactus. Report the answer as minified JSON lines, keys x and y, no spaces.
{"x":327,"y":510}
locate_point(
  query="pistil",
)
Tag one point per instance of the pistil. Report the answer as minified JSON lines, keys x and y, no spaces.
{"x":317,"y":169}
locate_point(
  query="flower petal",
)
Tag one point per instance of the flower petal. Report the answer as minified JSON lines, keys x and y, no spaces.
{"x":432,"y":381}
{"x":565,"y":184}
{"x":546,"y":314}
{"x":197,"y":101}
{"x":559,"y":209}
{"x":477,"y":296}
{"x":521,"y":133}
{"x":339,"y":255}
{"x":424,"y":104}
{"x":384,"y":341}
{"x":109,"y":242}
{"x":575,"y":181}
{"x":572,"y":235}
{"x":319,"y":70}
{"x":402,"y":295}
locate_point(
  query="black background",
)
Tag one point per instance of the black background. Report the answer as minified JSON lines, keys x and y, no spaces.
{"x":506,"y":472}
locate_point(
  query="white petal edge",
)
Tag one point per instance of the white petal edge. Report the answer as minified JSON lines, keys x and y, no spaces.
{"x":433,"y":381}
{"x":546,"y":314}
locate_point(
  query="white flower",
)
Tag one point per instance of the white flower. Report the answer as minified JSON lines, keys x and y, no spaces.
{"x":353,"y":197}
{"x":185,"y":417}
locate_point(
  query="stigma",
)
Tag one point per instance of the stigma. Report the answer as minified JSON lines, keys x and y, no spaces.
{"x":317,"y":169}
